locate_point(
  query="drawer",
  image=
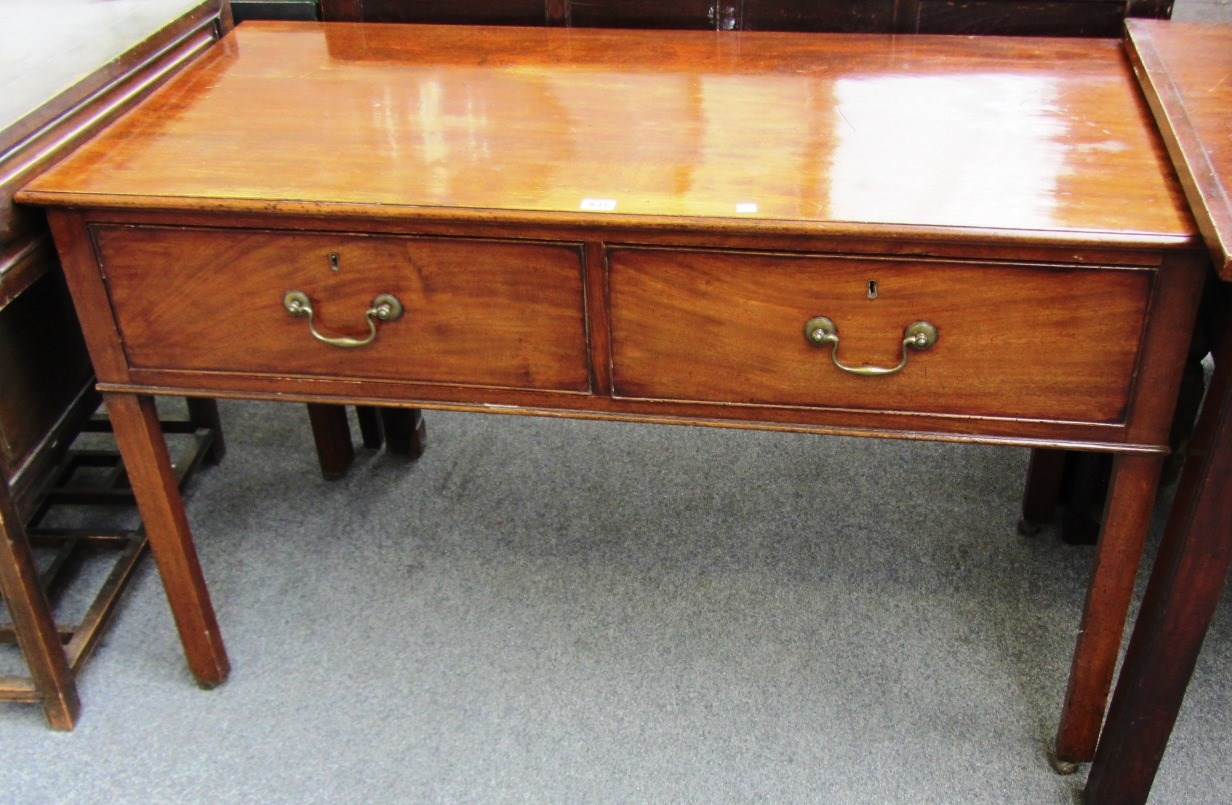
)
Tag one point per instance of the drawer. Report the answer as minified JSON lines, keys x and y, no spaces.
{"x":475,"y":312}
{"x":1017,"y":341}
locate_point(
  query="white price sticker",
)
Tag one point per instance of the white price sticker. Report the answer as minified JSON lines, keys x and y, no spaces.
{"x":598,"y":204}
{"x":746,"y":206}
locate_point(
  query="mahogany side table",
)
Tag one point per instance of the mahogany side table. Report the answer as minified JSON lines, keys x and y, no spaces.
{"x":622,"y":225}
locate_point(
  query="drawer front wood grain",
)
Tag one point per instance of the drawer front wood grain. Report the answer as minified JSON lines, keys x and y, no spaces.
{"x":477,"y":312}
{"x":1031,"y":342}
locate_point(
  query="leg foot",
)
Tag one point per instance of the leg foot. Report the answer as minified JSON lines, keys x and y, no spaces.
{"x":1061,"y":767}
{"x":1029,"y":529}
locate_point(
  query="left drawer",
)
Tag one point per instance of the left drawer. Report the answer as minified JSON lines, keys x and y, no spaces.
{"x":474,"y":312}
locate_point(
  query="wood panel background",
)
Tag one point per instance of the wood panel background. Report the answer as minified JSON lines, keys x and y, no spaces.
{"x":1009,"y":17}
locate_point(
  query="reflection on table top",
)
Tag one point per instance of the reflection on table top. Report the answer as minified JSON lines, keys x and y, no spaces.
{"x":806,"y":130}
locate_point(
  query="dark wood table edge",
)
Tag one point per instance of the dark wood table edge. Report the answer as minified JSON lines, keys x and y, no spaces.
{"x":1206,"y":190}
{"x":1191,"y":568}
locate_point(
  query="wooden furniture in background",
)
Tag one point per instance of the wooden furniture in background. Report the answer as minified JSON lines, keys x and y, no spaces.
{"x":1184,"y":72}
{"x":619,"y":225}
{"x":65,"y":72}
{"x":1005,"y":17}
{"x":303,"y":10}
{"x":91,"y":482}
{"x":400,"y":430}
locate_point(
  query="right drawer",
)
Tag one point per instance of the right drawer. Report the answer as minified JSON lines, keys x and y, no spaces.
{"x":1012,"y":340}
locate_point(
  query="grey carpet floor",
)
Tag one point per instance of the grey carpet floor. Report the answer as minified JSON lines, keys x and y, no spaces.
{"x":566,"y":611}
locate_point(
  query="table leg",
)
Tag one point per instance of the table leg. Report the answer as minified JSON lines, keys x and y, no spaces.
{"x":203,"y":412}
{"x":1043,"y":490}
{"x":370,"y":429}
{"x":331,"y":433}
{"x":1181,"y":597}
{"x":31,"y":614}
{"x":405,"y":433}
{"x":1127,"y":516}
{"x":144,"y":450}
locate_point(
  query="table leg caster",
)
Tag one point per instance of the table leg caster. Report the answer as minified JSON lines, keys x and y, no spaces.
{"x":1028,"y":528}
{"x":1062,"y":767}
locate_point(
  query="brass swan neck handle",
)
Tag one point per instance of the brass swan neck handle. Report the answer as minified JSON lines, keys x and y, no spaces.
{"x":820,"y":331}
{"x":385,"y":307}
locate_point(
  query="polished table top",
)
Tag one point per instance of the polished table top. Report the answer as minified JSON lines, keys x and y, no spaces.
{"x":1036,"y":139}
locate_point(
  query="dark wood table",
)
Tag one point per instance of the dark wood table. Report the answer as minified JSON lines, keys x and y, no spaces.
{"x":628,"y":225}
{"x":1186,"y":73}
